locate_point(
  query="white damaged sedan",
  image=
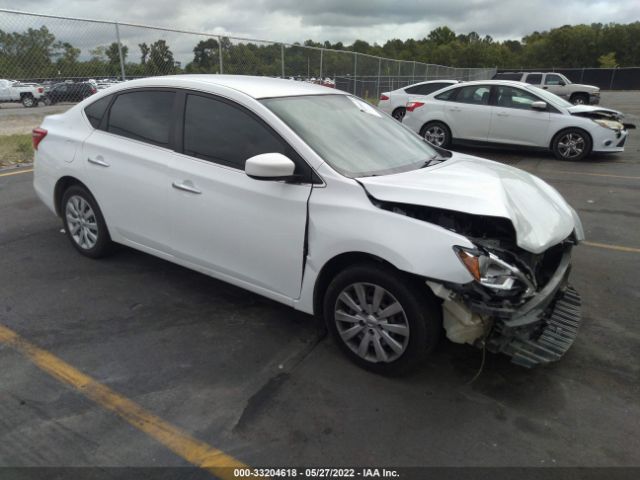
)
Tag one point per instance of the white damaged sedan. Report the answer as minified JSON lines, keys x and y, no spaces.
{"x":502,"y":112}
{"x":313,"y":198}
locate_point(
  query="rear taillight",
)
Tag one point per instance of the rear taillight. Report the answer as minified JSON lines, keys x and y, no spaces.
{"x":411,"y":106}
{"x":37,"y":135}
{"x":93,"y":90}
{"x":384,"y":97}
{"x":40,"y":90}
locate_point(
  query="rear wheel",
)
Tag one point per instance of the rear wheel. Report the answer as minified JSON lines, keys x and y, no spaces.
{"x":571,"y":144}
{"x":84,"y":223}
{"x":399,"y":113}
{"x":380,"y":319}
{"x":28,"y":101}
{"x":437,"y":133}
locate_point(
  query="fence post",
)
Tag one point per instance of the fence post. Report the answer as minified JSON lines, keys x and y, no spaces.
{"x":413,"y":74}
{"x":582,"y":75}
{"x":355,"y":70}
{"x":282,"y":58}
{"x":220,"y":54}
{"x":613,"y":75}
{"x":120,"y":52}
{"x":321,"y":53}
{"x":378,"y":82}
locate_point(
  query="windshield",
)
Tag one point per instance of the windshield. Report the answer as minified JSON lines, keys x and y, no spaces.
{"x":353,"y":137}
{"x":551,"y":98}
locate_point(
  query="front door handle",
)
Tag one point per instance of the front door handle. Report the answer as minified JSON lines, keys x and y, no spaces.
{"x":98,"y":161}
{"x":502,"y":114}
{"x":187,"y":187}
{"x":455,"y":109}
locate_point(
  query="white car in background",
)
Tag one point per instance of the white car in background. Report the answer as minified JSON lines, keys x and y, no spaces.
{"x":316,"y":199}
{"x":394,"y":102}
{"x":515,"y":113}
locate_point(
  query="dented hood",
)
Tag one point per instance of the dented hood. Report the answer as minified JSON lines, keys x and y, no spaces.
{"x":539,"y":214}
{"x":582,"y":109}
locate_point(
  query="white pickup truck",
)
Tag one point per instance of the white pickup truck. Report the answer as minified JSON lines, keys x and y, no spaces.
{"x":28,"y":94}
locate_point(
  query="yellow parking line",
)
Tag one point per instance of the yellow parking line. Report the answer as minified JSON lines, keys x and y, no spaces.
{"x":192,"y":450}
{"x":26,"y":170}
{"x":618,"y":248}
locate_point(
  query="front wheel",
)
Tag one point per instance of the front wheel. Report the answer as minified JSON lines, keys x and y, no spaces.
{"x":437,"y":133}
{"x":580,"y":99}
{"x":571,"y":144}
{"x":380,"y":319}
{"x":84,"y":223}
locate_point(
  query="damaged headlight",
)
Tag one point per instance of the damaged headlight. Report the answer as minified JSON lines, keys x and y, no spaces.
{"x":610,"y":124}
{"x":493,"y":272}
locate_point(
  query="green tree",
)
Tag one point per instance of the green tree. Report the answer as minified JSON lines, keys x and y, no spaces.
{"x":160,"y":59}
{"x":608,"y":60}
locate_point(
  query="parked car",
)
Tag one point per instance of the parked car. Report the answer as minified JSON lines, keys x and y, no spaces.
{"x":27,"y":94}
{"x":394,"y":102}
{"x":69,"y":92}
{"x":515,"y":113}
{"x":556,"y":83}
{"x":316,"y":199}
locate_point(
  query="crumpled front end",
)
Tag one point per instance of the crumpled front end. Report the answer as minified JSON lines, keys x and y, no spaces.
{"x":533,"y":317}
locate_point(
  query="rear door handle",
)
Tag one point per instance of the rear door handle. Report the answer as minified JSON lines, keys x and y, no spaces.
{"x":502,"y":114}
{"x":98,"y":161}
{"x":187,"y":187}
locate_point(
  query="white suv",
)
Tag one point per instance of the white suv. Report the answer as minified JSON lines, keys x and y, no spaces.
{"x":314,"y":198}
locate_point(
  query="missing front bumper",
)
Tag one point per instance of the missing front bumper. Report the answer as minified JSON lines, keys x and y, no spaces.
{"x":544,"y":341}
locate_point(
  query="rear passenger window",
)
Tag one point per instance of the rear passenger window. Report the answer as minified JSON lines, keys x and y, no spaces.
{"x":145,"y":116}
{"x":534,"y":79}
{"x":95,"y":111}
{"x":222,"y":133}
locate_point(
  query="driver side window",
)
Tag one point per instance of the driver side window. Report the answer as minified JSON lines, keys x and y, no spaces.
{"x":553,"y":80}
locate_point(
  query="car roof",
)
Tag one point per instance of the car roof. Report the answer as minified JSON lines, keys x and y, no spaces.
{"x":512,"y":83}
{"x":256,"y":87}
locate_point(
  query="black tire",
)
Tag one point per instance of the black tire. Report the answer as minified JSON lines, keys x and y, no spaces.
{"x":399,"y":113}
{"x":437,"y":133}
{"x":580,"y":99}
{"x":581,"y":140}
{"x":421,"y":313}
{"x":47,"y":101}
{"x":28,"y":101}
{"x":102,"y":245}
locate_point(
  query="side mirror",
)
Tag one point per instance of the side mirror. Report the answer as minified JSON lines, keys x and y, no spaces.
{"x":562,"y":84}
{"x":270,"y":166}
{"x":539,"y":105}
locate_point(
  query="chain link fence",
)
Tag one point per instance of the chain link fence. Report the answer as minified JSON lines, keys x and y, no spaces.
{"x":48,"y":49}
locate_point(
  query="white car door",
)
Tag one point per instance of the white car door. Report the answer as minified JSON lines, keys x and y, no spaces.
{"x":468,"y":112}
{"x":126,"y":166}
{"x":555,"y":84}
{"x":515,"y":122}
{"x":242,"y":229}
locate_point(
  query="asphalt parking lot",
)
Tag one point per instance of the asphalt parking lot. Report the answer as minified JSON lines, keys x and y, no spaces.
{"x":259,"y":382}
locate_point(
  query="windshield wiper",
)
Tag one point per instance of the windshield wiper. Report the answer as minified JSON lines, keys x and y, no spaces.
{"x":433,"y":161}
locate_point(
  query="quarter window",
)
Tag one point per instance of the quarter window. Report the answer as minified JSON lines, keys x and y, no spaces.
{"x":426,"y":88}
{"x":145,"y":116}
{"x":222,"y":133}
{"x":510,"y":97}
{"x":95,"y":111}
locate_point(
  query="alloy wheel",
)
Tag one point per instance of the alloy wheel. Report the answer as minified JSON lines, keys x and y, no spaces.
{"x":371,"y":322}
{"x":571,"y":145}
{"x":399,"y":114}
{"x":435,"y":135}
{"x":81,"y":222}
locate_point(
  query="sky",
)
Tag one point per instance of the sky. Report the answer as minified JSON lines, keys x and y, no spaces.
{"x":344,"y":20}
{"x":375,"y":21}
